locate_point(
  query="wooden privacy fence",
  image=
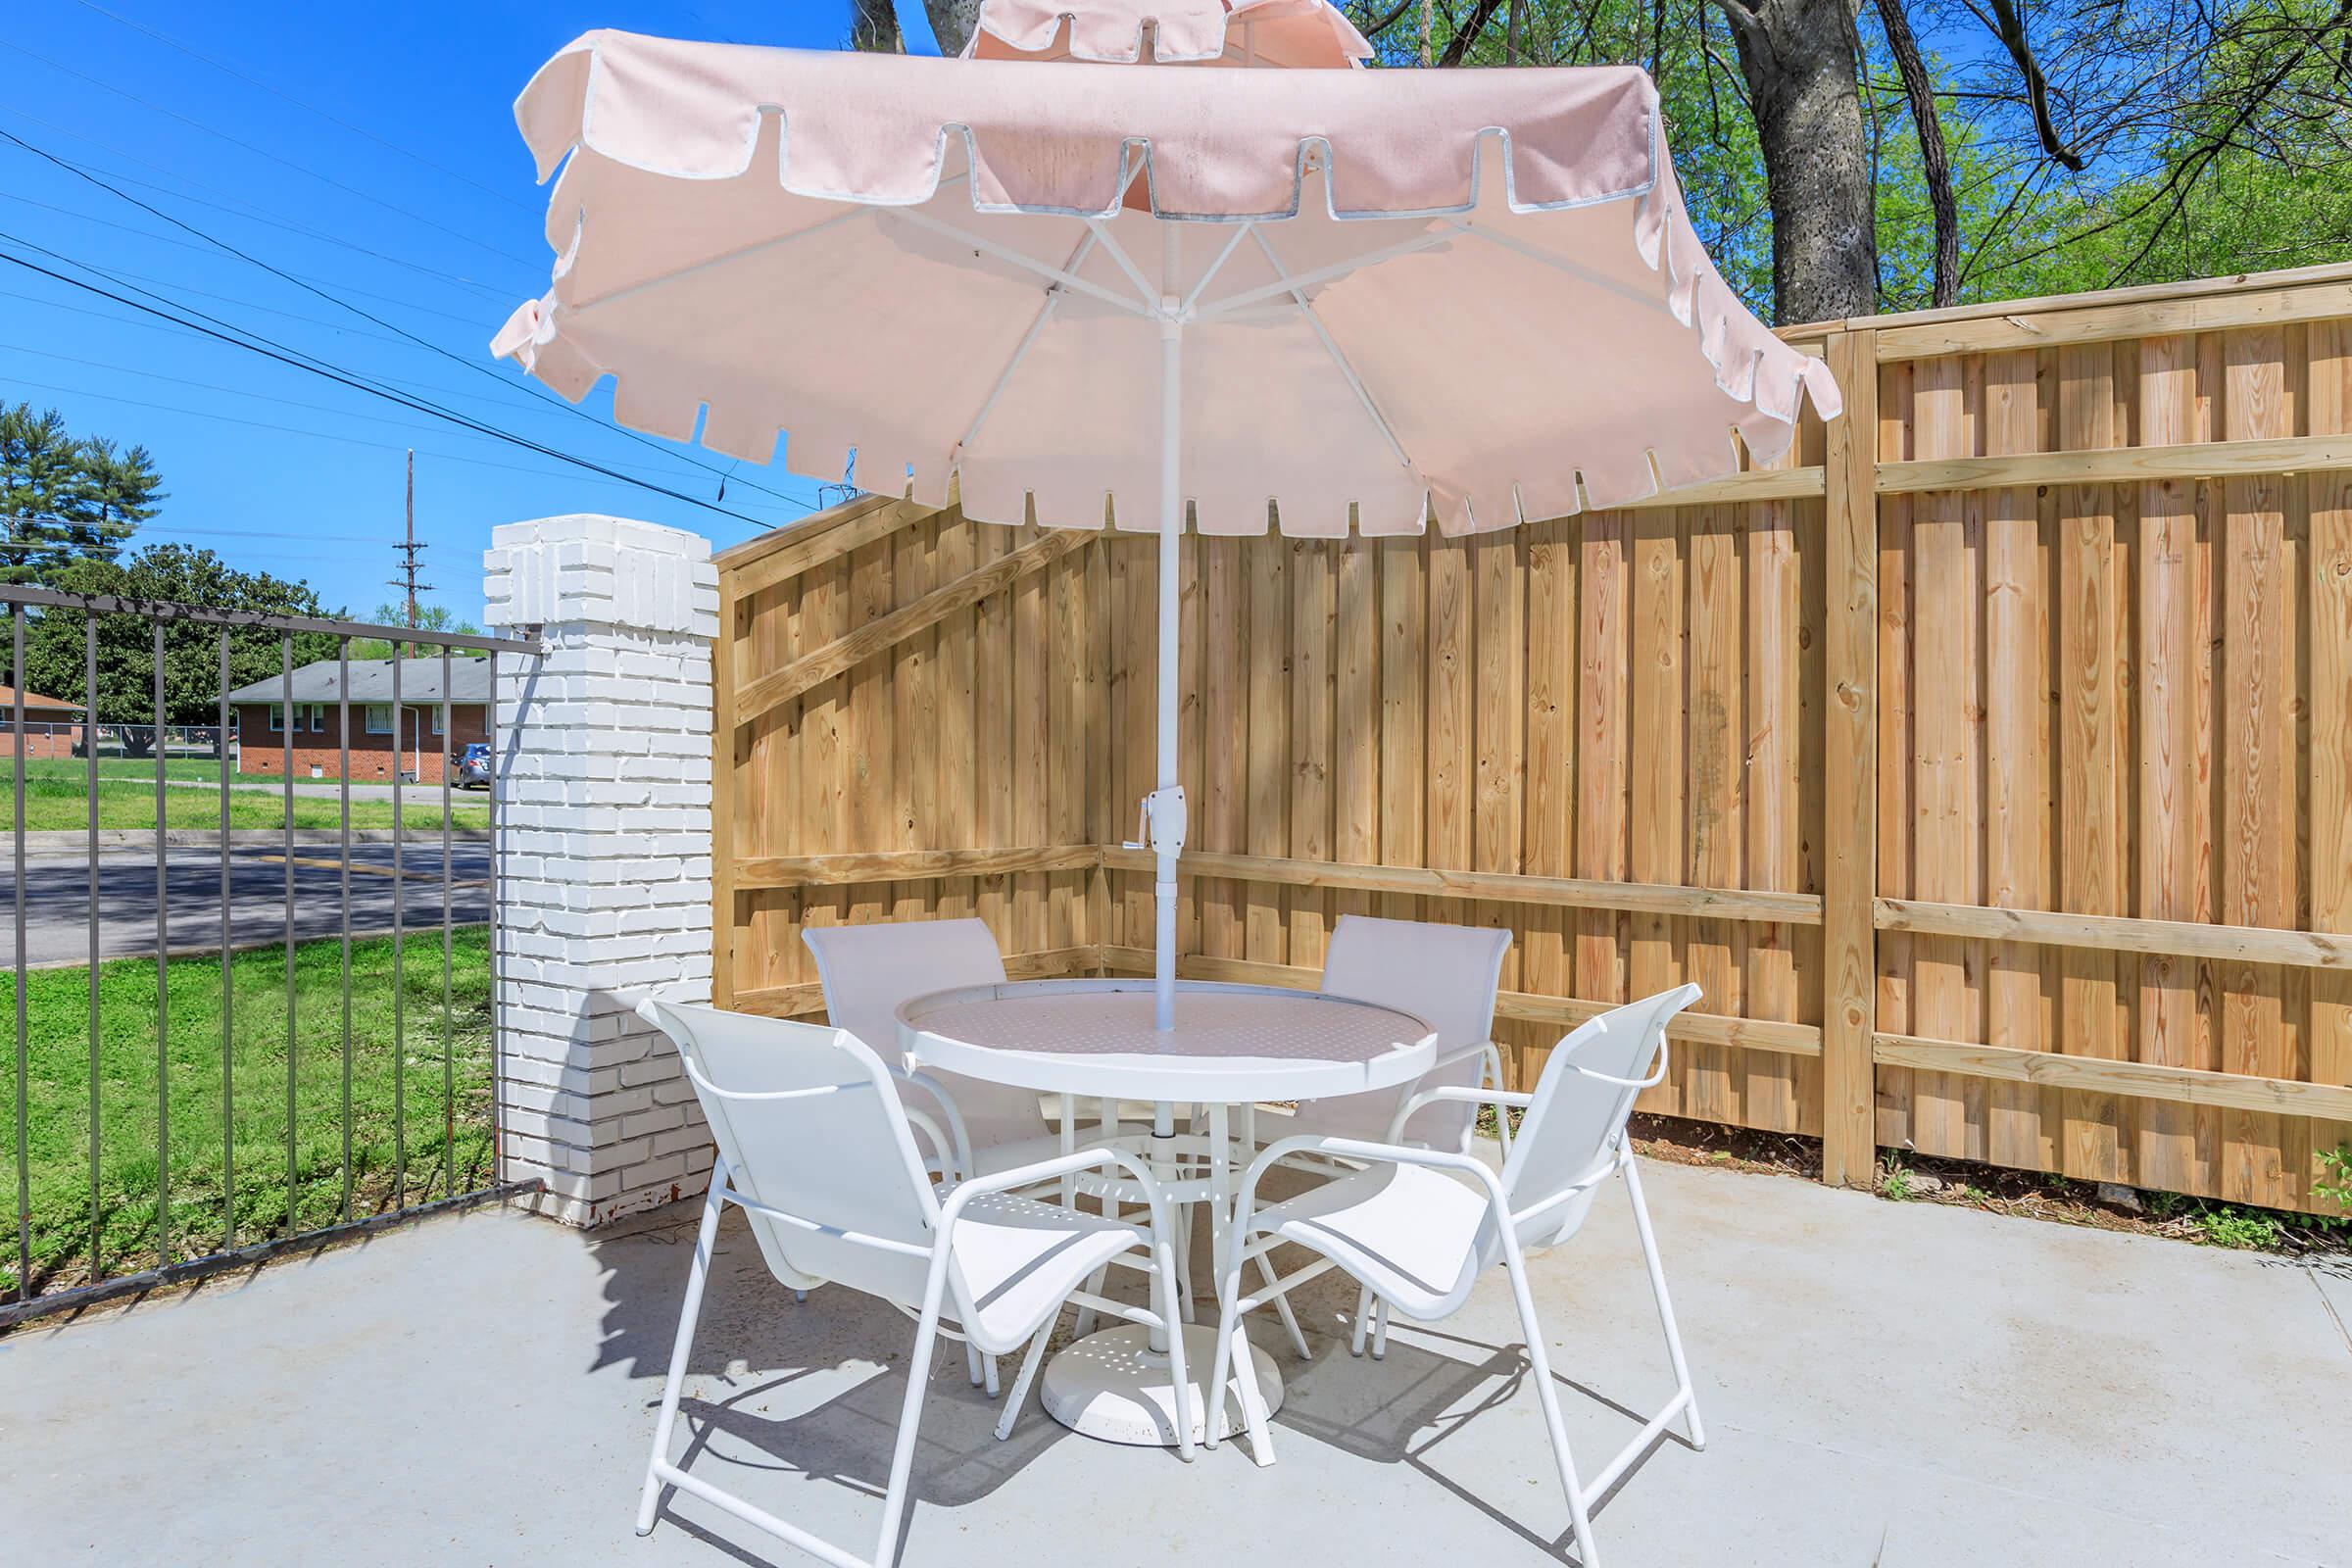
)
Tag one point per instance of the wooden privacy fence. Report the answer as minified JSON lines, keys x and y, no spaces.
{"x":1988,"y":762}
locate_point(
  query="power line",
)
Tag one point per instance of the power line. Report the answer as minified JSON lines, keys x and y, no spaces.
{"x":265,"y":348}
{"x":153,"y":238}
{"x":260,"y":152}
{"x":193,"y":52}
{"x":279,"y":272}
{"x":328,"y":435}
{"x":251,"y":210}
{"x":242,"y":392}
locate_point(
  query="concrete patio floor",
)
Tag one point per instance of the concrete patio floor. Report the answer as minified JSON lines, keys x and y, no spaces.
{"x":1882,"y":1383}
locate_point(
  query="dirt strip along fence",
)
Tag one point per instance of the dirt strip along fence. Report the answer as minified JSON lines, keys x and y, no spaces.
{"x":1989,"y":760}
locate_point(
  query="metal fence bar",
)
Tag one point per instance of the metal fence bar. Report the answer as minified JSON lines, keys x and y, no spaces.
{"x":343,"y":735}
{"x":497,"y":989}
{"x":449,"y":1078}
{"x":89,"y":696}
{"x":112,"y":761}
{"x":24,"y":1057}
{"x":286,"y":799}
{"x":169,"y":611}
{"x":400,"y":877}
{"x":162,"y":986}
{"x":229,"y":993}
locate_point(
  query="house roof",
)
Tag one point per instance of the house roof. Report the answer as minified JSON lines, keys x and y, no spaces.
{"x":371,"y":682}
{"x":34,"y":701}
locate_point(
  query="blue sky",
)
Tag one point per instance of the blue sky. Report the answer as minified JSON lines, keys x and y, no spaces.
{"x":371,"y":154}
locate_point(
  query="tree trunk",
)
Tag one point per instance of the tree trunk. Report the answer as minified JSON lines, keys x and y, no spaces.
{"x":1934,"y":163}
{"x":874,"y":28}
{"x":1800,"y":60}
{"x":951,"y":22}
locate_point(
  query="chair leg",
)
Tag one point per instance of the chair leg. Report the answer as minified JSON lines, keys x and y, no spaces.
{"x":1189,"y":1302}
{"x":1086,"y":1314}
{"x":1380,"y":1331}
{"x":690,"y":1311}
{"x":1657,"y":1286}
{"x":1282,"y":1307}
{"x":1024,"y":1377}
{"x":971,"y":1365}
{"x":1539,"y":1369}
{"x":1363,"y":1320}
{"x":1163,"y":1300}
{"x":910,"y":1413}
{"x":1233,"y":1361}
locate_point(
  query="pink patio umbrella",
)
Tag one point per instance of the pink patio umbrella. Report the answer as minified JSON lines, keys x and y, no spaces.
{"x":1322,"y":299}
{"x":1308,"y":33}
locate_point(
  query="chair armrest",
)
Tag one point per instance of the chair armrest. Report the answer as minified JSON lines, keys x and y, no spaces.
{"x":959,"y":1149}
{"x":1497,"y":1097}
{"x":1246,"y":1199}
{"x":1477,"y":1048}
{"x":1062,"y":1165}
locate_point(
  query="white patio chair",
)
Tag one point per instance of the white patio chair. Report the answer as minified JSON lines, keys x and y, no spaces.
{"x":1419,"y":1226}
{"x":815,"y":1147}
{"x":1445,"y":976}
{"x":867,"y":971}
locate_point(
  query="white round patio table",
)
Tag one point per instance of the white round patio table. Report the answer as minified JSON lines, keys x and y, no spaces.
{"x":1233,"y":1045}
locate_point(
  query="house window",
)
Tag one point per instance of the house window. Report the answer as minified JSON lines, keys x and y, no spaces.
{"x":437,"y":711}
{"x":278,"y":719}
{"x":380,"y":719}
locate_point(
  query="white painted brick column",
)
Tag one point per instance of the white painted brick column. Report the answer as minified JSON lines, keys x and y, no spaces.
{"x":603,"y":839}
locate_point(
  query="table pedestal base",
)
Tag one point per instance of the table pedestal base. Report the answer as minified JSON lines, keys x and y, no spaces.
{"x":1113,"y":1385}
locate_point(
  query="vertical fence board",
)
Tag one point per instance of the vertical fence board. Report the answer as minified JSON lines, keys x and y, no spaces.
{"x":2125,"y":694}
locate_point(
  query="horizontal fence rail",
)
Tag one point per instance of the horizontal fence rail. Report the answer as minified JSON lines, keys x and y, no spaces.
{"x":153,"y":1088}
{"x":1987,"y":761}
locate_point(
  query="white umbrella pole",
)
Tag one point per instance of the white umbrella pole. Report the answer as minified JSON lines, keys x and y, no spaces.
{"x":1166,"y":809}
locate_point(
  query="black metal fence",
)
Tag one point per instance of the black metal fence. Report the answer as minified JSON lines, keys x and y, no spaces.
{"x":380,"y":1094}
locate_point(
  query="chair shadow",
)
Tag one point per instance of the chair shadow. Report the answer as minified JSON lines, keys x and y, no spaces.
{"x":842,"y":1435}
{"x":1398,"y":1409}
{"x":1401,"y":1407}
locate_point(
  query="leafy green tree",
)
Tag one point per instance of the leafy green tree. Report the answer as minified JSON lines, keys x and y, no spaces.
{"x":66,"y":498}
{"x":54,"y":639}
{"x":429,"y":617}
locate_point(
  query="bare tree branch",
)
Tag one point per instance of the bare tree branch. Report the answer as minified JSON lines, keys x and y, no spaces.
{"x":2010,"y":29}
{"x":1467,"y":33}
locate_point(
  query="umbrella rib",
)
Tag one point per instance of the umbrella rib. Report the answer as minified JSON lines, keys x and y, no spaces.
{"x":1118,"y":254}
{"x":1045,"y":314}
{"x":1356,"y":383}
{"x":1562,"y":263}
{"x":1252,"y":296}
{"x":613,"y":296}
{"x":1232,"y":243}
{"x":1006,"y":253}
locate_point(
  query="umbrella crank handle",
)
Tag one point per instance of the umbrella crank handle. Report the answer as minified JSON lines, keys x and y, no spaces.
{"x":1159,"y":823}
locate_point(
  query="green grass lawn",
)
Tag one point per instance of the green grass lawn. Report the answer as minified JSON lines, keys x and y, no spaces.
{"x":61,"y":800}
{"x":113,"y":768}
{"x":58,"y":1096}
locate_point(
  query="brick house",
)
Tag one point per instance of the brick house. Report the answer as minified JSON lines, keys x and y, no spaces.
{"x":263,"y":719}
{"x":52,"y":728}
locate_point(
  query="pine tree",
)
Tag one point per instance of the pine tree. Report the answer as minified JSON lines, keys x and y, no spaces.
{"x":65,"y":498}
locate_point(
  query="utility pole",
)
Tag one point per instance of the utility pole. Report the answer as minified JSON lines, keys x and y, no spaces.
{"x":408,"y":549}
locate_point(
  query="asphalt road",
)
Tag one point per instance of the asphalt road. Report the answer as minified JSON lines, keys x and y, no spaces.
{"x":57,"y":897}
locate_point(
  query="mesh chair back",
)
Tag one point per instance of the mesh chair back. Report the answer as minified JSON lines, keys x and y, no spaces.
{"x":1445,"y":976}
{"x":869,"y":970}
{"x":808,"y":1121}
{"x":1576,"y":1120}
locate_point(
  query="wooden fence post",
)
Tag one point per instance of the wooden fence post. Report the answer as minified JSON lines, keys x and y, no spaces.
{"x":1850,"y":752}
